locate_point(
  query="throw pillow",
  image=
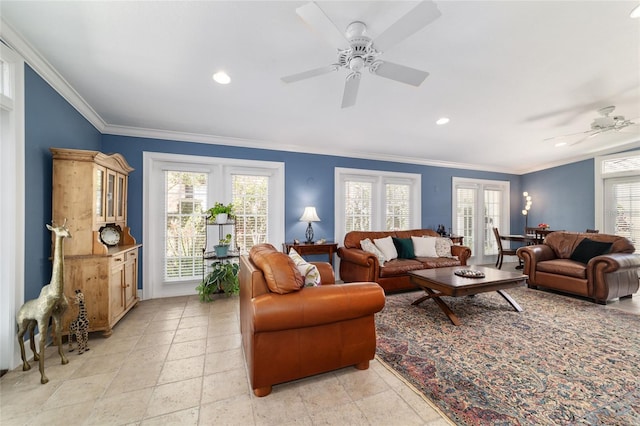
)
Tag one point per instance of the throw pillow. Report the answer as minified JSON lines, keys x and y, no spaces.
{"x":279,"y":271}
{"x":588,"y":249}
{"x":386,"y":246}
{"x":368,"y":246}
{"x":424,"y":246}
{"x":443,"y":247}
{"x":404,"y":247}
{"x":309,"y":272}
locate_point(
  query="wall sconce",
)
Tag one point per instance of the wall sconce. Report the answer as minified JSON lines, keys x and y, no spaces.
{"x":309,"y":215}
{"x":525,"y":211}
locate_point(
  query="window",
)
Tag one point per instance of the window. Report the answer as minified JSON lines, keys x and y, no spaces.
{"x":12,"y":193}
{"x":182,"y":188}
{"x":617,"y":191}
{"x":370,"y":200}
{"x":478,"y":207}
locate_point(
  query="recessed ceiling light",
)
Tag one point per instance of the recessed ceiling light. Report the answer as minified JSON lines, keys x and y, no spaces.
{"x":635,"y":13}
{"x":441,"y":121}
{"x":222,"y":77}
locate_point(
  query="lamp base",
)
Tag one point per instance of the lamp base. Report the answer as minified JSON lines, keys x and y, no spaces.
{"x":309,"y":234}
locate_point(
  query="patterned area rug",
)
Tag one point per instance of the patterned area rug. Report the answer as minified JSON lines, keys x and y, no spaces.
{"x":560,"y":361}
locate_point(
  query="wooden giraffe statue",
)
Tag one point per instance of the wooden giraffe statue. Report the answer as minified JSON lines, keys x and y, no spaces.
{"x":50,"y":303}
{"x":80,"y":326}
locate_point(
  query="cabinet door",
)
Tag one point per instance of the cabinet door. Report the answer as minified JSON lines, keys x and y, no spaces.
{"x":131,"y":278}
{"x":116,"y":288}
{"x":111,"y":195}
{"x":99,"y":195}
{"x":121,"y":196}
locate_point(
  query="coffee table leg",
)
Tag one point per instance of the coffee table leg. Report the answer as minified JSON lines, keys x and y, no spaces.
{"x":510,"y":300}
{"x":443,"y":306}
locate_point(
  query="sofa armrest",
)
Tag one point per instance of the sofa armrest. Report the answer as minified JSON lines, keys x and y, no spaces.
{"x":463,"y":253}
{"x":612,"y":262}
{"x":314,"y":306}
{"x":357,"y":265}
{"x":613,"y":275}
{"x":357,"y":256}
{"x":531,"y":255}
{"x":327,"y":275}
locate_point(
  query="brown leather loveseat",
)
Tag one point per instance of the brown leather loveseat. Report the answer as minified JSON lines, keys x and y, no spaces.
{"x":558,"y":264}
{"x":359,"y":265}
{"x":290,"y":331}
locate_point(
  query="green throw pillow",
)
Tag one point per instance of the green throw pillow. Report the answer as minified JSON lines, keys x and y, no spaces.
{"x":588,"y":249}
{"x":404,"y":246}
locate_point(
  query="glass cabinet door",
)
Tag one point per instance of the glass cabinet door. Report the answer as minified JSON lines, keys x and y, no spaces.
{"x":99,"y":194}
{"x":121,"y":194}
{"x":111,"y":196}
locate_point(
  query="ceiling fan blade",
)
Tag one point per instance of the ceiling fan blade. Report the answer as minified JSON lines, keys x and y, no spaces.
{"x":417,"y":18}
{"x":400,"y":73}
{"x":319,"y":22}
{"x":566,"y":136}
{"x":351,"y":90}
{"x":308,"y":74}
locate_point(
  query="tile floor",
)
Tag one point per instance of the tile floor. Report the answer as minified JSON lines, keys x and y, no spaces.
{"x":179,"y":361}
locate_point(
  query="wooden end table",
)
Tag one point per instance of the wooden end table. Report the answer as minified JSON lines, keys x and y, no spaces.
{"x":305,"y":249}
{"x":438,"y":282}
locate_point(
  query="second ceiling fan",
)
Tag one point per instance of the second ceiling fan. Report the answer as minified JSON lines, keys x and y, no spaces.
{"x":357,"y":51}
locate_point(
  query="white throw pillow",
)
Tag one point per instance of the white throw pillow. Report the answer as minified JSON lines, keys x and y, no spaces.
{"x":424,"y":246}
{"x":309,"y":272}
{"x":368,"y":246}
{"x":386,"y":246}
{"x":443,"y":247}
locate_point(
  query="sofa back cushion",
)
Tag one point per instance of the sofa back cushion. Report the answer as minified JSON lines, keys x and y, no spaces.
{"x":279,"y":270}
{"x":352,"y":239}
{"x":564,"y":243}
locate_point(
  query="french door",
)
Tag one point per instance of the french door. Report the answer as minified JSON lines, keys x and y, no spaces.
{"x":477,"y":207}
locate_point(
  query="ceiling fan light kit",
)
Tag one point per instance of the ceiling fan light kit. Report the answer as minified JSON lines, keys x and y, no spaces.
{"x":357,"y":51}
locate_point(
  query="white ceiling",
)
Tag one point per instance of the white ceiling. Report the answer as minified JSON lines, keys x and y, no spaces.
{"x":509,"y":74}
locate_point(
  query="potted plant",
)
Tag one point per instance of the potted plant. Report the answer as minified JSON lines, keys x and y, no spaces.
{"x":223,"y":246}
{"x":221,"y":212}
{"x":223,"y":278}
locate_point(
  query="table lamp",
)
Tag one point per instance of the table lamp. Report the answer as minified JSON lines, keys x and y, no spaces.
{"x":309,"y":216}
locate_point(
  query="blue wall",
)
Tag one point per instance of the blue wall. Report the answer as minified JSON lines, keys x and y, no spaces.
{"x":562,"y":197}
{"x":309,"y":179}
{"x":50,"y":121}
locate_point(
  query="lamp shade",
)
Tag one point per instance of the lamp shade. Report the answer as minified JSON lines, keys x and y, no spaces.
{"x":309,"y":215}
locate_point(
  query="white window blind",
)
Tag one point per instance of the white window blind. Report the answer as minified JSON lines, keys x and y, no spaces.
{"x":251,"y":205}
{"x":358,"y":205}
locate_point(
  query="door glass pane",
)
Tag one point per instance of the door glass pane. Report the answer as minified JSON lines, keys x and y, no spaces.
{"x":251,"y":206}
{"x":111,"y":187}
{"x":120,"y":203}
{"x":465,"y":212}
{"x":358,"y":206}
{"x":99,"y":193}
{"x":623,"y":207}
{"x":398,"y":206}
{"x":492,"y":218}
{"x":186,"y":198}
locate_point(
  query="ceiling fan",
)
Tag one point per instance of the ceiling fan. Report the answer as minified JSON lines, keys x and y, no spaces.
{"x":357,"y":51}
{"x":604,"y":123}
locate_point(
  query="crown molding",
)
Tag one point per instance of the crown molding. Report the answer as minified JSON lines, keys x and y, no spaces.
{"x":45,"y":70}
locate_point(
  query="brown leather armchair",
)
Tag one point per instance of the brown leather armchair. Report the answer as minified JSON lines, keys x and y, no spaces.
{"x":295,"y":332}
{"x":602,"y":278}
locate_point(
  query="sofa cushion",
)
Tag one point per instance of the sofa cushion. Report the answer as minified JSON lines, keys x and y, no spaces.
{"x":387,"y":247}
{"x":588,"y":249}
{"x":399,"y":267}
{"x":438,"y":262}
{"x":566,"y":267}
{"x":280,"y":273}
{"x":307,"y":270}
{"x":424,"y":246}
{"x":404,"y":247}
{"x":443,"y":247}
{"x":368,"y":246}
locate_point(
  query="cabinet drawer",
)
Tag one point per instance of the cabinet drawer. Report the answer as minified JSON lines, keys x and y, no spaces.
{"x":117,"y":260}
{"x":131,"y":255}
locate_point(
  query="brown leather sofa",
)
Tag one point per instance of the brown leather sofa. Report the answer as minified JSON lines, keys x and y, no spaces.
{"x":295,"y":332}
{"x":359,"y":265}
{"x":603,"y":278}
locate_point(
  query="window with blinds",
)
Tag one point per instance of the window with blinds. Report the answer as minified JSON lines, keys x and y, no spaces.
{"x":186,"y":201}
{"x":251,"y":204}
{"x":358,"y":205}
{"x":398,"y":206}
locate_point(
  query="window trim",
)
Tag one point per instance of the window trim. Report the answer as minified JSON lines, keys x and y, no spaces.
{"x":154,"y":163}
{"x":379,"y":178}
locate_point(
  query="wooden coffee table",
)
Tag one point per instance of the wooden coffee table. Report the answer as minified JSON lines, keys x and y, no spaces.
{"x":438,"y":282}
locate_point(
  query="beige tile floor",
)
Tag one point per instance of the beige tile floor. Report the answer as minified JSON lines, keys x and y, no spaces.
{"x":179,"y":361}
